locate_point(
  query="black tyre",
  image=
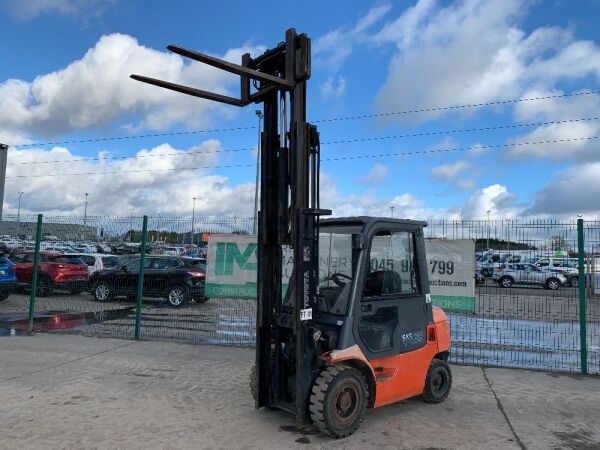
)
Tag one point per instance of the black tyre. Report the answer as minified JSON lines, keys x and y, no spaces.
{"x":338,"y":401}
{"x":177,"y":296}
{"x":203,"y":299}
{"x":553,"y":284}
{"x":253,"y":382}
{"x":45,"y":287}
{"x":574,"y":281}
{"x":4,"y":295}
{"x":437,"y":382}
{"x":506,"y":282}
{"x":102,"y":291}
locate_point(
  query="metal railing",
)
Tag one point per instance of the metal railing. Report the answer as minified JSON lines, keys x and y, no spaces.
{"x":524,"y":326}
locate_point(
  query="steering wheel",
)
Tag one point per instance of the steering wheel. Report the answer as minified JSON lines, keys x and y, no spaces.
{"x":337,"y":278}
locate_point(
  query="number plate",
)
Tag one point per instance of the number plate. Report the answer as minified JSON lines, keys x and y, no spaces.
{"x":306,"y":314}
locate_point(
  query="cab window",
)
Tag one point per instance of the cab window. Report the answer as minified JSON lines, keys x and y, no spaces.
{"x":392,"y":266}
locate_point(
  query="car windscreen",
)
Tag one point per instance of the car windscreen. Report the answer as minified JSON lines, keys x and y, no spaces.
{"x":67,"y":259}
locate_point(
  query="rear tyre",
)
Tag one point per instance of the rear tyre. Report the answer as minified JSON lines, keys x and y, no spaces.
{"x":253,"y":382}
{"x":338,"y":401}
{"x":506,"y":282}
{"x":553,"y":284}
{"x":574,"y":282}
{"x":102,"y":291}
{"x":177,"y":296}
{"x":438,"y":382}
{"x":4,"y":295}
{"x":44,"y":287}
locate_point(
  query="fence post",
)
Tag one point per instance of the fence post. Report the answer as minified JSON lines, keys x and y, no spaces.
{"x":582,"y":305}
{"x":34,"y":274}
{"x":140,"y":287}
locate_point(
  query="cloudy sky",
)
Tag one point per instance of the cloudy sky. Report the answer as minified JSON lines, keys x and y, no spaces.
{"x":465,"y":106}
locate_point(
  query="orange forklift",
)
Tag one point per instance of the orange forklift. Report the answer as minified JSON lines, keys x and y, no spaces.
{"x":355,"y":328}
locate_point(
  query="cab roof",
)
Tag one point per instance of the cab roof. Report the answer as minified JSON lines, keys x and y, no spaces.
{"x":368,"y":220}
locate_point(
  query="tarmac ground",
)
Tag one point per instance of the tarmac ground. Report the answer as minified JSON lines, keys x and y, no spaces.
{"x":76,"y":392}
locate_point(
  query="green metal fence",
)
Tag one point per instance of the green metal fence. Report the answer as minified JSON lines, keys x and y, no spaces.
{"x":523,"y":326}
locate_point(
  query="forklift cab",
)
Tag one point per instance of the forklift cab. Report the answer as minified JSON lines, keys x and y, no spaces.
{"x":372,"y":281}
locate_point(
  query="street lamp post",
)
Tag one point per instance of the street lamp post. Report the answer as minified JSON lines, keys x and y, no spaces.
{"x":392,"y":210}
{"x":19,"y":209}
{"x":193,"y":218}
{"x":488,"y":229}
{"x":85,"y":211}
{"x":259,"y":114}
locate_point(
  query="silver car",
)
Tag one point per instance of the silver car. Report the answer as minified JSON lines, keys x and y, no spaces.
{"x":529,"y":274}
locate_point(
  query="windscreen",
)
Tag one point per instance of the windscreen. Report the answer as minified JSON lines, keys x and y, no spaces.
{"x":336,"y":264}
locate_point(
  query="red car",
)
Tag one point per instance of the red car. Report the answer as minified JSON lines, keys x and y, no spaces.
{"x":54,"y":272}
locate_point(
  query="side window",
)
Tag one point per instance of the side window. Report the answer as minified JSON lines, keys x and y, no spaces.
{"x":29,"y":257}
{"x":543,"y":263}
{"x":18,"y":258}
{"x":161,"y":264}
{"x":392,"y":264}
{"x":558,"y":262}
{"x":495,"y":258}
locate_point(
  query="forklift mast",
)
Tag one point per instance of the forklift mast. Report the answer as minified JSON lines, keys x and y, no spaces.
{"x":289,"y":213}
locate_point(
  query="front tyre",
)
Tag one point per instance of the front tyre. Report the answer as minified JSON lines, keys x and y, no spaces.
{"x":553,"y":284}
{"x":102,"y":291}
{"x":4,"y":295}
{"x":338,"y":401}
{"x":177,"y":296}
{"x":506,"y":282}
{"x":437,"y":382}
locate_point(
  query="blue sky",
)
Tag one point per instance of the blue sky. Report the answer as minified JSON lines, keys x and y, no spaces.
{"x":66,"y":78}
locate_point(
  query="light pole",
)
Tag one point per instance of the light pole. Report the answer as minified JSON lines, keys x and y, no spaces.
{"x":259,"y":114}
{"x":488,"y":229}
{"x":19,"y":209}
{"x":508,"y":221}
{"x":85,"y":211}
{"x":392,"y":210}
{"x":193,"y":218}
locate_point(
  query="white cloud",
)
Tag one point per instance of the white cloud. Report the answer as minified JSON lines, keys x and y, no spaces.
{"x":332,"y":49}
{"x":152,"y":183}
{"x":452,"y":173}
{"x":97,"y":90}
{"x":570,"y":192}
{"x":473,"y":51}
{"x":557,"y":110}
{"x":495,"y":198}
{"x":377,"y":175}
{"x":449,"y":172}
{"x":333,"y":87}
{"x":30,"y":9}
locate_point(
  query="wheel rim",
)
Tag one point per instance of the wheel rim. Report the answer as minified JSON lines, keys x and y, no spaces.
{"x":102,"y":292}
{"x":553,"y":284}
{"x":574,"y":282}
{"x":345,"y":405}
{"x":439,"y":381}
{"x":506,"y":282}
{"x":176,"y":297}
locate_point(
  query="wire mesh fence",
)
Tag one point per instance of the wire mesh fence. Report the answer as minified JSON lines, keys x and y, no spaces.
{"x":91,"y":269}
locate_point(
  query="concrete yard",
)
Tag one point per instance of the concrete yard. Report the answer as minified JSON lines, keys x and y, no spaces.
{"x":74,"y":392}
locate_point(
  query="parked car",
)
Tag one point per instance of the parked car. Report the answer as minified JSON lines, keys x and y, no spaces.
{"x":479,"y":278}
{"x":8,"y":278}
{"x":529,"y":274}
{"x":96,"y":261}
{"x":55,"y":271}
{"x":567,"y":266}
{"x":178,"y":279}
